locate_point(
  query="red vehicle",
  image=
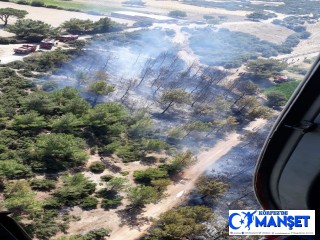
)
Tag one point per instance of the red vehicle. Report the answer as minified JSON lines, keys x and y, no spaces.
{"x":47,"y":43}
{"x":280,"y":79}
{"x":67,"y":38}
{"x":25,"y":49}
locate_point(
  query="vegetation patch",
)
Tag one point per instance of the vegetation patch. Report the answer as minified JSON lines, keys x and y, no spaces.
{"x":285,"y":88}
{"x":97,"y":167}
{"x":180,"y":223}
{"x":229,"y":49}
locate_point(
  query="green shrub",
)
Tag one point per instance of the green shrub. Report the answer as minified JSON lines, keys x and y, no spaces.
{"x":17,"y":64}
{"x":46,"y":61}
{"x":143,"y":23}
{"x":37,"y":4}
{"x":75,"y":189}
{"x":89,"y":202}
{"x":208,"y":17}
{"x":49,"y":86}
{"x":12,"y":169}
{"x":97,"y":167}
{"x":52,"y":203}
{"x":106,"y":178}
{"x":31,"y":30}
{"x":124,"y":173}
{"x":111,"y":203}
{"x":177,"y":13}
{"x":128,"y":153}
{"x":26,"y":73}
{"x":98,"y":234}
{"x":42,"y":184}
{"x":261,"y":15}
{"x":52,"y":6}
{"x":22,"y":2}
{"x":153,"y":145}
{"x":146,"y":176}
{"x":304,"y":35}
{"x":5,"y":40}
{"x":111,"y":148}
{"x":58,"y":151}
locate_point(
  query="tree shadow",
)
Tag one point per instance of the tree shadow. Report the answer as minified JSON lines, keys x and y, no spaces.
{"x":148,"y":161}
{"x":131,"y":216}
{"x":111,"y":166}
{"x":178,"y":178}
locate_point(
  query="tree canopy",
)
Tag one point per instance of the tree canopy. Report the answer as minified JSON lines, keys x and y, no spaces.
{"x":146,"y":176}
{"x":31,"y":30}
{"x":141,"y":195}
{"x":211,"y":187}
{"x":79,"y":26}
{"x":266,"y":68}
{"x":179,"y":162}
{"x":76,"y":188}
{"x":181,"y":223}
{"x":5,"y":13}
{"x":58,"y":151}
{"x":276,"y":98}
{"x":20,"y":199}
{"x":98,"y":89}
{"x":173,"y":96}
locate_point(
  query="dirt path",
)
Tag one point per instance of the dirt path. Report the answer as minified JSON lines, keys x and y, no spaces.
{"x":177,"y":192}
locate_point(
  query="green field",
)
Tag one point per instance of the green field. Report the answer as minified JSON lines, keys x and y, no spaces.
{"x":69,"y":5}
{"x":285,"y":88}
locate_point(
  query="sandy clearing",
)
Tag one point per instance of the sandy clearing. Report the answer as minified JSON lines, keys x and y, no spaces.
{"x":176,"y":5}
{"x":313,"y":43}
{"x":271,"y":32}
{"x":165,"y":6}
{"x":255,"y":125}
{"x":52,"y":16}
{"x":7,"y":54}
{"x":4,"y":33}
{"x":308,"y":48}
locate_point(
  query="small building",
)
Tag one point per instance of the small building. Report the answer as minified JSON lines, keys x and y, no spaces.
{"x":137,"y":16}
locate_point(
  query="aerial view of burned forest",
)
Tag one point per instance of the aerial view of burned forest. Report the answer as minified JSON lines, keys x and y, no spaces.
{"x":142,"y":119}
